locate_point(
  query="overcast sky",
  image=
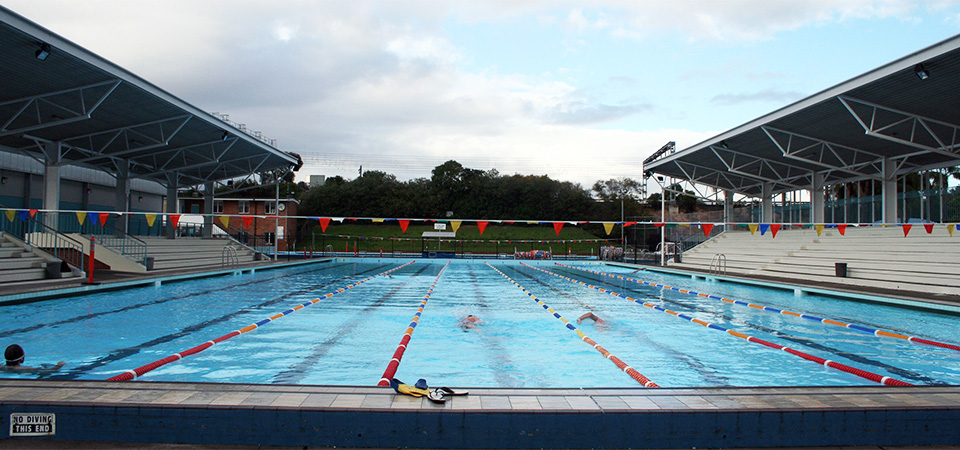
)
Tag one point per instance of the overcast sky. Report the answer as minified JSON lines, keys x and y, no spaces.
{"x":577,"y":90}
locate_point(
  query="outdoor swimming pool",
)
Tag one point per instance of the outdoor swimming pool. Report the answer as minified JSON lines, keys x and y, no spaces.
{"x":350,"y":337}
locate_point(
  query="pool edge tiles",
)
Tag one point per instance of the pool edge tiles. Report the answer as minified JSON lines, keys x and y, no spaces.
{"x":353,"y":416}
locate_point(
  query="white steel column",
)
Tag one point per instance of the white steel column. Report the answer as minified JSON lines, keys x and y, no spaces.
{"x":727,"y":206}
{"x":889,"y":191}
{"x":122,"y":194}
{"x":766,"y":203}
{"x":51,"y":183}
{"x":816,"y":198}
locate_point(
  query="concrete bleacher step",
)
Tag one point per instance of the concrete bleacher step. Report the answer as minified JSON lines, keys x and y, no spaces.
{"x":192,"y":253}
{"x":14,"y":275}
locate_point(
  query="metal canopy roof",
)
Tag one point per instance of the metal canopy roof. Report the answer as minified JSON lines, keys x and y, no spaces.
{"x":104,"y":116}
{"x":843,"y":133}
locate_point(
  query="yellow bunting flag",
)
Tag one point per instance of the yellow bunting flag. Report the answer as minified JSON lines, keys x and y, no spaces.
{"x":533,"y":223}
{"x":455,"y":224}
{"x":608,"y":227}
{"x":81,"y":217}
{"x":377,"y":220}
{"x":225,"y":220}
{"x":753,"y":228}
{"x":11,"y":214}
{"x":819,"y":228}
{"x":950,"y":229}
{"x":151,"y":218}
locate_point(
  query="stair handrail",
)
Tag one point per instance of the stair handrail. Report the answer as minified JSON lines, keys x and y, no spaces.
{"x":228,"y":257}
{"x":47,"y":239}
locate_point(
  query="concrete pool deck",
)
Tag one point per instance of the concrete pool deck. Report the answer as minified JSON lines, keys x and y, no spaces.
{"x":164,"y":413}
{"x":346,"y":416}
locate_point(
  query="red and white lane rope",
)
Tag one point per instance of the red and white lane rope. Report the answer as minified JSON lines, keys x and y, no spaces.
{"x":394,"y":363}
{"x":132,"y":374}
{"x":644,"y":381}
{"x":825,"y":362}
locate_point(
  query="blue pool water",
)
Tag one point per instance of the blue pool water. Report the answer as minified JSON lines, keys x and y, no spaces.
{"x":349,"y":338}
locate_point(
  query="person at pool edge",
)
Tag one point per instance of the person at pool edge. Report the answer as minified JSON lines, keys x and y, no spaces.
{"x":469,"y":323}
{"x":15,"y":357}
{"x":591,"y":316}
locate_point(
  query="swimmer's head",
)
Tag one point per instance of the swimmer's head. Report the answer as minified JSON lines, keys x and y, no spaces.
{"x":14,"y":355}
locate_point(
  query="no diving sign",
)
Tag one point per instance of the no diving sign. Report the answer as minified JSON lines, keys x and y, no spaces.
{"x":33,"y":424}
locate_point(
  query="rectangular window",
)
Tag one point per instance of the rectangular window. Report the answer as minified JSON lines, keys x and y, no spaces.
{"x":270,"y":207}
{"x":243,"y":207}
{"x":218,"y":206}
{"x":268,"y":238}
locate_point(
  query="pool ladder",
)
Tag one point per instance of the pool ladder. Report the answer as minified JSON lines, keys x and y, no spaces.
{"x":228,"y":257}
{"x":718,"y":265}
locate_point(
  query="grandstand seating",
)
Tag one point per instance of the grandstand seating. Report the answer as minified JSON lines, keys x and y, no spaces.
{"x":876,"y":257}
{"x":195,"y":252}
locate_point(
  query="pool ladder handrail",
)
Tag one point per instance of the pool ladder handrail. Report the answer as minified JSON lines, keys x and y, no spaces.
{"x":718,"y":264}
{"x":228,"y":257}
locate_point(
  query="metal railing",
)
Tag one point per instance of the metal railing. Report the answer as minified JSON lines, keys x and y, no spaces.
{"x":228,"y":257}
{"x":106,"y":234}
{"x":718,"y":265}
{"x":35,"y":233}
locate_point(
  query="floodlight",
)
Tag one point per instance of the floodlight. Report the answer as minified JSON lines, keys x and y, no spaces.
{"x":225,"y":136}
{"x":43,"y":52}
{"x":921,"y":72}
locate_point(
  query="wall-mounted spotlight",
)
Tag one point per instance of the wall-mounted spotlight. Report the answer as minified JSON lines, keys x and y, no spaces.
{"x":3,"y":180}
{"x":225,"y":136}
{"x":140,"y":199}
{"x":43,"y":52}
{"x":921,"y":72}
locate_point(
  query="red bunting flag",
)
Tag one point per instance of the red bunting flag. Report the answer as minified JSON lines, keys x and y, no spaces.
{"x":658,"y":224}
{"x":174,"y":219}
{"x":928,"y":227}
{"x":404,"y":224}
{"x":247,"y":220}
{"x":33,"y":212}
{"x":627,"y":224}
{"x":774,"y":228}
{"x":842,"y":228}
{"x":707,"y":228}
{"x":508,"y":221}
{"x":103,"y":218}
{"x":324,"y":221}
{"x":482,"y":226}
{"x":557,"y":226}
{"x":906,"y":229}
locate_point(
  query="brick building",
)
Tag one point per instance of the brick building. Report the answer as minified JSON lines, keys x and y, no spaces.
{"x":262,"y":215}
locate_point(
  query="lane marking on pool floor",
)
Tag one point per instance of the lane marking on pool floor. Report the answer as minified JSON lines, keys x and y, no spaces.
{"x":834,"y":365}
{"x":394,"y":363}
{"x":644,"y":381}
{"x":860,"y":328}
{"x":139,"y":371}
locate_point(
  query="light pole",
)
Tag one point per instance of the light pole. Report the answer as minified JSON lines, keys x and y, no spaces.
{"x":663,"y":220}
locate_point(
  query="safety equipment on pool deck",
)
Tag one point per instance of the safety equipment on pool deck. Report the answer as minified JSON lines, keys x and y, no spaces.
{"x":873,"y":331}
{"x":646,"y":382}
{"x":826,"y":362}
{"x":139,"y":371}
{"x":394,"y":363}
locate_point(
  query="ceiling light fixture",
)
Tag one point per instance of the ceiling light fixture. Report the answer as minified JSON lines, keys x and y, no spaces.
{"x":43,"y":52}
{"x":921,"y":72}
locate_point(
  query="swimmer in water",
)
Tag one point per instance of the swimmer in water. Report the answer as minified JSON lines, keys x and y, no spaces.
{"x":15,"y":357}
{"x":591,"y":316}
{"x":469,"y":323}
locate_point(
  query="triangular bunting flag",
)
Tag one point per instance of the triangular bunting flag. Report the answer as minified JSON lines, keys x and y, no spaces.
{"x":627,"y":224}
{"x":455,"y":224}
{"x":557,"y":226}
{"x":533,"y":223}
{"x":404,"y":224}
{"x":906,"y":229}
{"x":81,"y":216}
{"x":707,"y":228}
{"x":94,"y":218}
{"x":819,"y":228}
{"x":33,"y":212}
{"x":23,"y":215}
{"x":151,"y":218}
{"x":324,"y":221}
{"x":103,"y":218}
{"x":608,"y":227}
{"x":225,"y":220}
{"x":483,"y":226}
{"x":950,"y":229}
{"x":842,"y":228}
{"x":774,"y":228}
{"x":928,"y":227}
{"x":658,"y":224}
{"x":174,"y":219}
{"x":247,"y":220}
{"x":763,"y":228}
{"x":374,"y":220}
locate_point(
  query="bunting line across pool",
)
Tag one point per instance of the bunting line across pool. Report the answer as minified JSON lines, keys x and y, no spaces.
{"x":132,"y":374}
{"x":825,"y":362}
{"x":644,"y":381}
{"x":394,"y":363}
{"x":852,"y":326}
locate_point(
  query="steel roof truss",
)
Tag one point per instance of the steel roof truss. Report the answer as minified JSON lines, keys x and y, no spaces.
{"x":888,"y":123}
{"x":37,"y":112}
{"x":741,"y":186}
{"x":129,"y":134}
{"x":825,"y":154}
{"x":762,"y":165}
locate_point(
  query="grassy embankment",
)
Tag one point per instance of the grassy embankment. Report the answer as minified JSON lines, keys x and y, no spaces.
{"x":411,"y":240}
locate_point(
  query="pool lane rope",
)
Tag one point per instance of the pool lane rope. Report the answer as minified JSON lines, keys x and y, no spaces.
{"x":644,"y":381}
{"x":852,"y":326}
{"x":824,"y":362}
{"x":394,"y":363}
{"x":132,"y":374}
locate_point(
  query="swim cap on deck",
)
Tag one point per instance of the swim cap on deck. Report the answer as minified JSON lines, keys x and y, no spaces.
{"x":13,"y":354}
